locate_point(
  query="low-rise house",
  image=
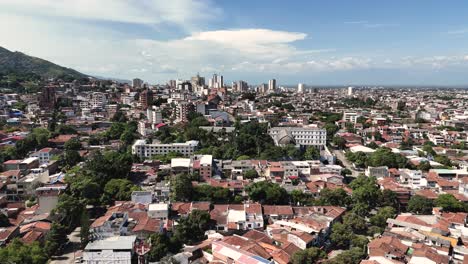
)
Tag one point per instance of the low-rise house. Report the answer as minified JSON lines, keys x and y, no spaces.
{"x":143,"y":197}
{"x":115,"y":249}
{"x":159,"y":211}
{"x":230,"y":254}
{"x":237,"y":216}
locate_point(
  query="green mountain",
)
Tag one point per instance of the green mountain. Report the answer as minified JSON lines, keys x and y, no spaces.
{"x":22,"y":64}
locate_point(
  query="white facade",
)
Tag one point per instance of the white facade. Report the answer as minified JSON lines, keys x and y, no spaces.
{"x":303,"y":136}
{"x":142,"y":149}
{"x":143,"y":197}
{"x":413,"y":178}
{"x":113,"y":250}
{"x":97,"y":100}
{"x":300,"y":88}
{"x":350,"y":117}
{"x":154,"y":115}
{"x":159,"y":211}
{"x":272,"y":85}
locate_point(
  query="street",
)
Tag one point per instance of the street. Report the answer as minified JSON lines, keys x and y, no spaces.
{"x":71,"y":251}
{"x":340,"y":155}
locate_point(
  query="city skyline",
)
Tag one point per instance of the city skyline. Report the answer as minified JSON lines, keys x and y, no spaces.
{"x":336,"y":43}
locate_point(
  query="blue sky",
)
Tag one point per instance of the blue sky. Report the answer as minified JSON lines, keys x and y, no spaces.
{"x":313,"y":42}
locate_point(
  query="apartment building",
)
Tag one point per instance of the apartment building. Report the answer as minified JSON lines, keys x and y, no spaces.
{"x":300,"y":136}
{"x":144,"y":150}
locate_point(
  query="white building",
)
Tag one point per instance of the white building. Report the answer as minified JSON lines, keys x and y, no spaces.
{"x":142,"y":149}
{"x":436,"y":139}
{"x":300,"y":88}
{"x":43,"y":155}
{"x":412,"y":178}
{"x":112,"y":250}
{"x":159,"y":211}
{"x":350,"y":117}
{"x":272,"y":86}
{"x":350,"y":90}
{"x":154,"y":115}
{"x":300,"y":136}
{"x":97,"y":100}
{"x":143,"y":197}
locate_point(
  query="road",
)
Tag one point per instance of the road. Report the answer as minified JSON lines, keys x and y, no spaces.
{"x":71,"y":251}
{"x":340,"y":155}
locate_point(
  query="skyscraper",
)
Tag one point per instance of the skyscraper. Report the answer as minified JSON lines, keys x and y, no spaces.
{"x":350,"y":91}
{"x":272,"y":86}
{"x":300,"y":88}
{"x":146,"y":98}
{"x":137,"y":83}
{"x":47,"y":99}
{"x":242,"y":86}
{"x":217,"y":81}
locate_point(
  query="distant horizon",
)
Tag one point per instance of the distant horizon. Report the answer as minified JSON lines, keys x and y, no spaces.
{"x":324,"y":43}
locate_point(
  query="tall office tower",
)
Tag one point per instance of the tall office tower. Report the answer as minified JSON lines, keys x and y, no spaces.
{"x":234,"y":87}
{"x":47,"y":99}
{"x":220,"y":81}
{"x":350,"y":90}
{"x":172,"y":84}
{"x":300,"y":88}
{"x":197,"y":81}
{"x":262,"y":88}
{"x":217,"y":81}
{"x":137,"y":83}
{"x":213,"y":81}
{"x":272,"y":86}
{"x":146,"y":98}
{"x":242,"y":86}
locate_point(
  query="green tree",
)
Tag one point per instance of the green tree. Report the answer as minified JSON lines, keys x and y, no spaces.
{"x":267,"y":193}
{"x":56,"y":237}
{"x":444,"y":160}
{"x":449,"y":203}
{"x":385,"y":157}
{"x":160,"y":246}
{"x":424,"y":166}
{"x":365,"y":192}
{"x":352,"y":256}
{"x":70,"y":209}
{"x":420,"y":205}
{"x":312,"y":153}
{"x":389,"y":198}
{"x":251,"y":174}
{"x":192,"y":229}
{"x":336,"y":197}
{"x":341,"y":235}
{"x":357,"y":223}
{"x":84,"y":230}
{"x":73,"y":144}
{"x":339,"y":142}
{"x":380,"y":219}
{"x":17,"y":252}
{"x":182,"y":188}
{"x":70,"y":158}
{"x":118,"y":190}
{"x":298,"y":197}
{"x":308,"y":255}
{"x":4,"y":222}
{"x":331,"y":129}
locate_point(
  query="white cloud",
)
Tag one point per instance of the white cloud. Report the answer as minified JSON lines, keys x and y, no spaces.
{"x":70,"y":33}
{"x":184,"y":13}
{"x":458,"y":31}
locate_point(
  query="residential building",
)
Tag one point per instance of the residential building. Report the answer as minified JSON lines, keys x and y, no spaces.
{"x":144,"y":150}
{"x":112,"y":250}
